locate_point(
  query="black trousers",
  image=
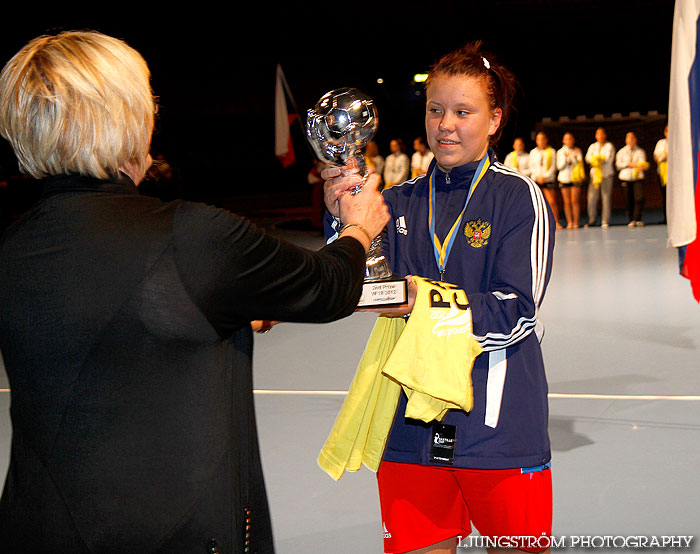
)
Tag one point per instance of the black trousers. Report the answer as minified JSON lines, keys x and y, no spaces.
{"x":634,"y":199}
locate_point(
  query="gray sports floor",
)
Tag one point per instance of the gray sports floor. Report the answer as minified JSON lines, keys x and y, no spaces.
{"x":622,"y":351}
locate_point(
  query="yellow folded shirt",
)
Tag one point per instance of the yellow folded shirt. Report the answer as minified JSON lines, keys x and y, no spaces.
{"x":434,"y":355}
{"x":364,"y":421}
{"x":431,"y":357}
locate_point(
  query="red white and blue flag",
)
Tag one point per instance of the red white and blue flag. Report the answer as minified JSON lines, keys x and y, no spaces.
{"x":683,"y":192}
{"x":284,"y":149}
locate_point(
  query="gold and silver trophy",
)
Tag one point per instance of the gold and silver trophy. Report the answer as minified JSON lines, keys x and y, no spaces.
{"x":338,"y":127}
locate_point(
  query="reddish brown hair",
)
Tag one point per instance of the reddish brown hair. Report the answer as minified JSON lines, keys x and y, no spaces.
{"x":473,"y":61}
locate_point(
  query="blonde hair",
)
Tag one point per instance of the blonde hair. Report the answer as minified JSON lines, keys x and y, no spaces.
{"x":77,"y":102}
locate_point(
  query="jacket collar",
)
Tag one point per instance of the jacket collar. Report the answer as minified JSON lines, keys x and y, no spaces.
{"x":458,"y":175}
{"x":56,"y":184}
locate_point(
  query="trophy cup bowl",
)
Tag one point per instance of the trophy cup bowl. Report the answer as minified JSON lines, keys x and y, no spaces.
{"x":338,"y":127}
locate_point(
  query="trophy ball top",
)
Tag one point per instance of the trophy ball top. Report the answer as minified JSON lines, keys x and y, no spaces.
{"x":346,"y":109}
{"x":341,"y":123}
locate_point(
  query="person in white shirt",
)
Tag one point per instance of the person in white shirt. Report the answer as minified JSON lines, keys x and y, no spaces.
{"x":421,"y":158}
{"x":543,"y":170}
{"x":661,"y":159}
{"x":631,"y":161}
{"x":571,"y":176}
{"x":600,"y":156}
{"x":518,"y":158}
{"x":396,"y":165}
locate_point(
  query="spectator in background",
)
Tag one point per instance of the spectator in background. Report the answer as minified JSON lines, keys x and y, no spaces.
{"x":373,"y":159}
{"x":631,"y":161}
{"x":571,"y":176}
{"x":600,"y":156}
{"x":518,"y":159}
{"x":421,"y":157}
{"x":543,"y":170}
{"x":661,"y":159}
{"x":397,"y":165}
{"x":162,"y":180}
{"x":313,"y":177}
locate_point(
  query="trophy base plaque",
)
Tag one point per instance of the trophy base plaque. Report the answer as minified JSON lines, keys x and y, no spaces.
{"x":386,"y":293}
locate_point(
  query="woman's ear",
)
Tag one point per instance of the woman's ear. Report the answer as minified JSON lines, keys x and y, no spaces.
{"x":495,"y":122}
{"x":134,"y":171}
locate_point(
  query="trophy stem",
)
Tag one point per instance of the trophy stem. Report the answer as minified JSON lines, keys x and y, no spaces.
{"x":362,"y":171}
{"x":377,"y":266}
{"x":375,"y":247}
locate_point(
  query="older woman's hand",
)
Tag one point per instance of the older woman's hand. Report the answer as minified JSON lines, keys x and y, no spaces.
{"x":338,"y":181}
{"x":364,"y":210}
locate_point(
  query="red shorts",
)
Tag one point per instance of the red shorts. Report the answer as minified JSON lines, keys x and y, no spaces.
{"x":425,"y":505}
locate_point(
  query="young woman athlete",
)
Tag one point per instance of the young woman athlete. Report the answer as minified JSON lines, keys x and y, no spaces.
{"x":475,"y":223}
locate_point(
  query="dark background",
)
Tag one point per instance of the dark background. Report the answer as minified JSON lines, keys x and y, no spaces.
{"x":214,"y":73}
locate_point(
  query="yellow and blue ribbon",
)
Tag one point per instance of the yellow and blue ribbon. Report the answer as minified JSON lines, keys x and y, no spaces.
{"x":442,"y":249}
